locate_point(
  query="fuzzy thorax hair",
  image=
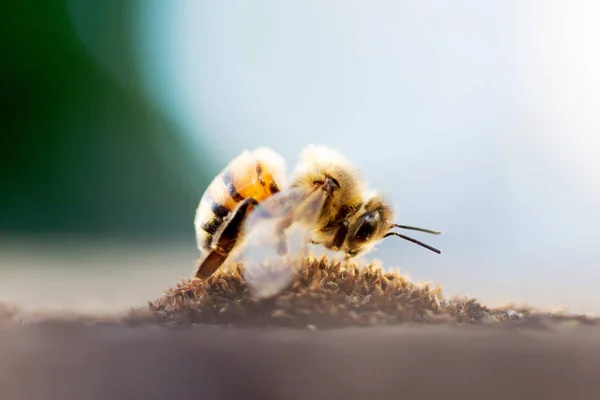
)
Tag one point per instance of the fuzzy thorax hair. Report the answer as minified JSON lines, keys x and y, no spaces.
{"x":317,"y":162}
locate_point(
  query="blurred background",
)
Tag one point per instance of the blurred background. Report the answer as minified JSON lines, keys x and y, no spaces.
{"x":477,"y":118}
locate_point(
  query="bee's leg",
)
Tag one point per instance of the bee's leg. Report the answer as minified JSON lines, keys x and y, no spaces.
{"x":304,"y":246}
{"x":310,"y":206}
{"x":346,"y":261}
{"x":224,"y":240}
{"x":209,"y":264}
{"x":282,"y":244}
{"x":340,"y":236}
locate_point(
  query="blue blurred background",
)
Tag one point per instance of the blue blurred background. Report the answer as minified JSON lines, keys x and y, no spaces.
{"x":477,"y":118}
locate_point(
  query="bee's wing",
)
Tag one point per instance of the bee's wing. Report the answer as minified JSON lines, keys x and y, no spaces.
{"x":274,"y":236}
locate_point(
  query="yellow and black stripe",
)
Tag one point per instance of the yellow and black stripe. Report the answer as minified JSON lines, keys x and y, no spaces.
{"x":245,"y":177}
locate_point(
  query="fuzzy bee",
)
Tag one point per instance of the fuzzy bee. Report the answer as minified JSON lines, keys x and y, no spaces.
{"x":325,"y":195}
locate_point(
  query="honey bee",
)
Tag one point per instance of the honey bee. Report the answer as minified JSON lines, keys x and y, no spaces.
{"x":325,"y":194}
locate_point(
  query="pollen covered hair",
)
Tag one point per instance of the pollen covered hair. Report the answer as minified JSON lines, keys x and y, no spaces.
{"x":319,"y":159}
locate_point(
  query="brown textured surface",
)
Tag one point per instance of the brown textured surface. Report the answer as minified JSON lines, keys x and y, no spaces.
{"x":327,"y":295}
{"x":385,"y":338}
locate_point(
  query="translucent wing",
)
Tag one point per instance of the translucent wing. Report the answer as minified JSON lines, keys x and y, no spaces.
{"x":275,"y":237}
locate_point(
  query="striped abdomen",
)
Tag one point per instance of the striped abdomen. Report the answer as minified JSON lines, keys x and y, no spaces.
{"x":257,"y":174}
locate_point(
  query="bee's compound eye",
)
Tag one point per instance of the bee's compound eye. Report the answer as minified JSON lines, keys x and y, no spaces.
{"x":352,"y":253}
{"x":368,"y":224}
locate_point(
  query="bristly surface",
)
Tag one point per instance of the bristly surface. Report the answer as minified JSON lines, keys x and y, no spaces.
{"x":324,"y":294}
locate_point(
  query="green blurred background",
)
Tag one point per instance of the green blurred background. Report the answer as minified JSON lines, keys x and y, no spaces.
{"x":479,"y":119}
{"x":82,"y":151}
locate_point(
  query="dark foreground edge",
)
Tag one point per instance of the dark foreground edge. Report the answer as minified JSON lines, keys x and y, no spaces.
{"x":70,"y":361}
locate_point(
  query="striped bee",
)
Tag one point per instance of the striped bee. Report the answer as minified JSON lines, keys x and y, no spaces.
{"x":249,"y":179}
{"x":325,"y":194}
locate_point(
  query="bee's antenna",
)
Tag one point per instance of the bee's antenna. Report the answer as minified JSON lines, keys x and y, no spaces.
{"x":414,"y":241}
{"x":414,"y":228}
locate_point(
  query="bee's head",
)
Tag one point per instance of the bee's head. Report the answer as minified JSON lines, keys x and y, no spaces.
{"x":370,"y":225}
{"x":374,"y":223}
